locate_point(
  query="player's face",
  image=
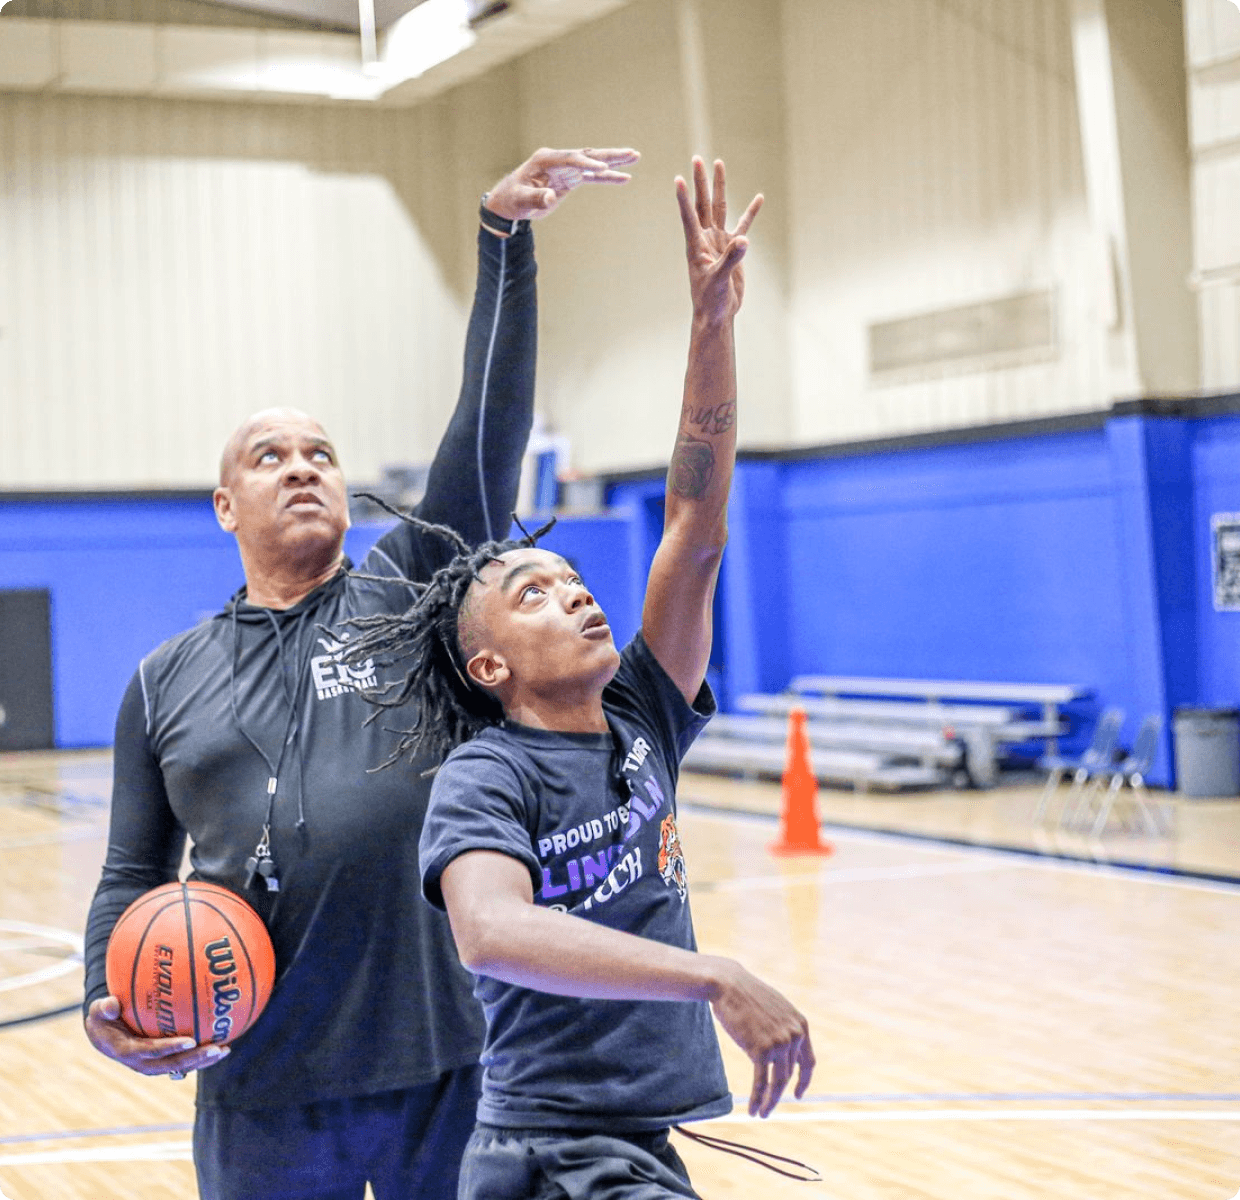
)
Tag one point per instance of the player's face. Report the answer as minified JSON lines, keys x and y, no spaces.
{"x":539,"y":622}
{"x":281,"y":487}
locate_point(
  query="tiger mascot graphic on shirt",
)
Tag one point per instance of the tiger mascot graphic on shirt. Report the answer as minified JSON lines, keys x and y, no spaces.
{"x":671,"y":857}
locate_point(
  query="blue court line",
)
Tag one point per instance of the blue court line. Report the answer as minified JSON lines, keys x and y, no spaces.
{"x":68,"y":1134}
{"x":767,"y":818}
{"x":45,"y":1015}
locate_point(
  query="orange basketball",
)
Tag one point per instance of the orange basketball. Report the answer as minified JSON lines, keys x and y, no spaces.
{"x":190,"y":960}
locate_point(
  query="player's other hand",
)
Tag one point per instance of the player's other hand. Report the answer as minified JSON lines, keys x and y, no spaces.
{"x":767,"y":1027}
{"x":716,"y":278}
{"x":538,"y":185}
{"x":148,"y":1056}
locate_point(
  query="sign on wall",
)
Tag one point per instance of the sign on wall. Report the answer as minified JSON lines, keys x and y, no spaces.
{"x":1003,"y":331}
{"x":1226,"y":556}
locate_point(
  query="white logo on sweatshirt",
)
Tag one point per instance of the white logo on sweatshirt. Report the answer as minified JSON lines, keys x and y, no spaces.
{"x":333,"y":677}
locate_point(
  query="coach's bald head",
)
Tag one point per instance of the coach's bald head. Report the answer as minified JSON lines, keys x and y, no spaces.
{"x":236,"y":445}
{"x":282,"y":493}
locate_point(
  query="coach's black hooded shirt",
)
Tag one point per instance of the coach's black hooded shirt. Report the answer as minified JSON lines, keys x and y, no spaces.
{"x":369,"y":993}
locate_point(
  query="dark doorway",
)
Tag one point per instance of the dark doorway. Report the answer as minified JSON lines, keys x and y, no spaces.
{"x":26,"y":670}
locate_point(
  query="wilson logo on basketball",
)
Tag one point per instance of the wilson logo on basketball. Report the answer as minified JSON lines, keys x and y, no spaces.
{"x":165,"y":1017}
{"x":224,"y":991}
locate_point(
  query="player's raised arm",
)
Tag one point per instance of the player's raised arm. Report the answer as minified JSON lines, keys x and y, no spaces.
{"x":676,"y":619}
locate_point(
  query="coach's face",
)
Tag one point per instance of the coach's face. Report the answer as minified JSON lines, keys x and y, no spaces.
{"x":281,"y":491}
{"x":530,"y":629}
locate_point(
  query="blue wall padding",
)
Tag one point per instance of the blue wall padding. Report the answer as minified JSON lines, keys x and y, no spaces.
{"x":1075,"y":557}
{"x":980,"y":562}
{"x":753,"y":584}
{"x":1072,"y":557}
{"x":124,"y":575}
{"x":964,"y":562}
{"x":1153,"y":498}
{"x":1216,"y":489}
{"x":127,"y":573}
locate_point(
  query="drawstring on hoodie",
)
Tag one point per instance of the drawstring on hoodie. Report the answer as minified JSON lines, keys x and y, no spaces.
{"x":261,"y":861}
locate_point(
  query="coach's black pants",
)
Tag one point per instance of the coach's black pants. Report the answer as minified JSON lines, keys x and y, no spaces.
{"x":406,"y":1144}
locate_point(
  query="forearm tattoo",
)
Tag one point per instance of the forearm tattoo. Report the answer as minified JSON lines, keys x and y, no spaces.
{"x":693,"y":464}
{"x":710,"y":418}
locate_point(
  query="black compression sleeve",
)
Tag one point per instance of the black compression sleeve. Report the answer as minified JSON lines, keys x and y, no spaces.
{"x":473,"y":480}
{"x":145,"y":842}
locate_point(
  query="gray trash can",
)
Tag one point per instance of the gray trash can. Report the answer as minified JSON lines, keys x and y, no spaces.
{"x":1207,"y":751}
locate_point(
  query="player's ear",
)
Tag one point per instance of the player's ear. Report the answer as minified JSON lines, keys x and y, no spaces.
{"x":488,"y":670}
{"x":222,"y":499}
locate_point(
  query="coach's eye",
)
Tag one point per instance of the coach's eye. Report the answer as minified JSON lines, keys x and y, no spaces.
{"x":531,"y":589}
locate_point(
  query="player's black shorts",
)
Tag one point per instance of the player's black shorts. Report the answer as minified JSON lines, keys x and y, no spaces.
{"x":540,"y":1164}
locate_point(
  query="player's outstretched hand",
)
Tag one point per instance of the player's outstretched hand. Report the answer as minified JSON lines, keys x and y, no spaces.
{"x":716,"y":280}
{"x":148,"y":1056}
{"x":767,"y":1027}
{"x":538,"y":185}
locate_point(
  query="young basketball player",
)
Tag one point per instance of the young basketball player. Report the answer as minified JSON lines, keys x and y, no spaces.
{"x":551,"y":833}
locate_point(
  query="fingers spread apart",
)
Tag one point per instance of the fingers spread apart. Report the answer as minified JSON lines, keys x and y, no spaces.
{"x":710,"y":200}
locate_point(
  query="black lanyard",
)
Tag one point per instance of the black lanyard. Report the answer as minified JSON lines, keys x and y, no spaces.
{"x":261,"y":863}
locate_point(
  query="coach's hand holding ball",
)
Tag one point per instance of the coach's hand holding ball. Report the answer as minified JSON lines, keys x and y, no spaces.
{"x":173,"y":1056}
{"x":190,"y":967}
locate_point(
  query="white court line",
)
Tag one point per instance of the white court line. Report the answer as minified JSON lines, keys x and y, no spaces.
{"x":66,"y":937}
{"x":42,"y":935}
{"x":1018,"y":859}
{"x":183,"y":1150}
{"x":51,"y":839}
{"x":986,"y":1114}
{"x":858,"y":875}
{"x":148,"y":1152}
{"x":65,"y":967}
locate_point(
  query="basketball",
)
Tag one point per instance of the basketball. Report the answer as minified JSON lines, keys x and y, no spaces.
{"x":190,"y":960}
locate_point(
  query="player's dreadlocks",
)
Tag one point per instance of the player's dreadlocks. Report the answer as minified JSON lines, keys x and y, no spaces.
{"x":450,"y":709}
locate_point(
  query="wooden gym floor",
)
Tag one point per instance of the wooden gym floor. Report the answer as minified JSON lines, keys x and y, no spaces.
{"x":988,"y":1023}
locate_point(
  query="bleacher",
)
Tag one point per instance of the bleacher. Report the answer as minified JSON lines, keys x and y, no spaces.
{"x":863,"y":755}
{"x":887,"y":734}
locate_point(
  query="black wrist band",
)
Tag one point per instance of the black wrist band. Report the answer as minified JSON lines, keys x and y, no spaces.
{"x":498,"y":224}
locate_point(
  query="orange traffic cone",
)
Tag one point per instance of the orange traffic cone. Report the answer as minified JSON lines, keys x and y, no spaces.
{"x":798,"y":828}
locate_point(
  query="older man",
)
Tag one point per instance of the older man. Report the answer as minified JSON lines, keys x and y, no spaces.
{"x":246,"y":734}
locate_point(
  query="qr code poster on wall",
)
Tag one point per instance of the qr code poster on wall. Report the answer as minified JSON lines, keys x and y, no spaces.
{"x":1226,"y":530}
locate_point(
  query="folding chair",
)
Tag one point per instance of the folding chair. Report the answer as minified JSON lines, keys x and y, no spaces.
{"x":1131,"y":770}
{"x":1097,"y":756}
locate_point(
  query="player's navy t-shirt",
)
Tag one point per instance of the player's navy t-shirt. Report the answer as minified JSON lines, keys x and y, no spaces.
{"x":593,"y":818}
